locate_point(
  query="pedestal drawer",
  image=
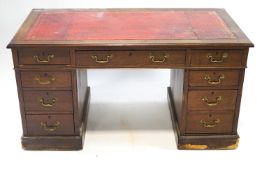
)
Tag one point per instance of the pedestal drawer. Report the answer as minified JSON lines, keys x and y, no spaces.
{"x":210,"y":123}
{"x":212,"y":99}
{"x":217,"y":58}
{"x":44,"y":56}
{"x":165,"y":58}
{"x":48,"y":101}
{"x":46,"y":79}
{"x":214,"y":78}
{"x":46,"y":125}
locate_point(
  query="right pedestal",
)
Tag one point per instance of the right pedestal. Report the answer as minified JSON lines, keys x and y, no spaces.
{"x":204,"y":106}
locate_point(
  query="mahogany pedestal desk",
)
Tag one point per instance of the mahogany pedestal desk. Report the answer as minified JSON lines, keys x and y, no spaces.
{"x":204,"y":48}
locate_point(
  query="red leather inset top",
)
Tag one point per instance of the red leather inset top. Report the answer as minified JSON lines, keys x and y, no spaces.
{"x":129,"y":25}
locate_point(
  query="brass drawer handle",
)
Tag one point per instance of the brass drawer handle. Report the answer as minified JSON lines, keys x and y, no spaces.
{"x":41,"y":79}
{"x":158,"y":59}
{"x":212,"y":103}
{"x":214,"y":82}
{"x":50,"y":127}
{"x":47,"y":104}
{"x":217,"y":60}
{"x":101,"y":60}
{"x":44,"y":59}
{"x":210,"y":123}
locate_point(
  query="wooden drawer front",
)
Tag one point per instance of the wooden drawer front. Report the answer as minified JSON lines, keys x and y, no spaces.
{"x":214,"y":78}
{"x":211,"y":123}
{"x":47,"y":56}
{"x":130,"y":58}
{"x":46,"y":79}
{"x":217,"y":58}
{"x":45,"y":125}
{"x":51,"y":101}
{"x":212,"y":99}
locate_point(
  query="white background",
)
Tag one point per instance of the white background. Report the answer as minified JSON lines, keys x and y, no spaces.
{"x":129,"y":128}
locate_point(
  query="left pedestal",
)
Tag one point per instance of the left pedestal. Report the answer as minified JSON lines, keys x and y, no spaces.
{"x":53,"y":97}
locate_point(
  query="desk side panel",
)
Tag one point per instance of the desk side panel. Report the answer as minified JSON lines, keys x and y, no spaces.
{"x":19,"y":91}
{"x":81,"y":75}
{"x":178,"y":93}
